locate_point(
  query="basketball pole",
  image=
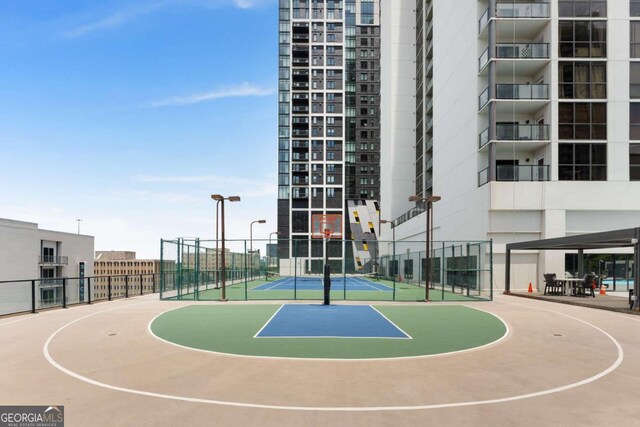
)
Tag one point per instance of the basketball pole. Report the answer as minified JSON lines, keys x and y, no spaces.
{"x":327,"y":269}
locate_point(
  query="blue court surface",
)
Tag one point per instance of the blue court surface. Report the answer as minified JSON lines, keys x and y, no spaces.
{"x":329,"y":321}
{"x":316,"y":284}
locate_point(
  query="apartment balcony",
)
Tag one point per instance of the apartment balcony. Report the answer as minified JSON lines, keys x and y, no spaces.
{"x":521,"y":98}
{"x":520,"y":91}
{"x":297,"y":180}
{"x":521,"y":59}
{"x":522,"y":173}
{"x":516,"y":20}
{"x":525,"y":135}
{"x":517,"y":173}
{"x":516,"y":98}
{"x":53,"y":260}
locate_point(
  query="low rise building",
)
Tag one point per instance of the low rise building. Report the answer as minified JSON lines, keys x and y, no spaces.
{"x":51,"y":259}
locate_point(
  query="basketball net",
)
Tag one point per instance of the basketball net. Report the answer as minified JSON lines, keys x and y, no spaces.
{"x":327,"y":233}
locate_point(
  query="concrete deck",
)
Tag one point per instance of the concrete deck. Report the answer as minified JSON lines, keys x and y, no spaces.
{"x":560,"y":365}
{"x":618,"y":301}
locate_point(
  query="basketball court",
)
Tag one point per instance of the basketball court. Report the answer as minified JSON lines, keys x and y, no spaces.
{"x":153,"y":362}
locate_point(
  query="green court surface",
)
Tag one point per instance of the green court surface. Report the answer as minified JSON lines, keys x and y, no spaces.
{"x":247,"y":291}
{"x":231,"y":329}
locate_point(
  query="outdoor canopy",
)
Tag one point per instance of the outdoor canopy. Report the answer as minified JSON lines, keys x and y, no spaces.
{"x":629,"y":237}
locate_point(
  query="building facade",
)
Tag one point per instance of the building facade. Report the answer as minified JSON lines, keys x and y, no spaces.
{"x":526,"y":124}
{"x":126,"y":273}
{"x":329,"y":122}
{"x":47,"y":257}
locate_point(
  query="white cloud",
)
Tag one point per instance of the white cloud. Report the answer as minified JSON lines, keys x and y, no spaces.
{"x":242,"y":90}
{"x":130,"y":13}
{"x":117,"y":18}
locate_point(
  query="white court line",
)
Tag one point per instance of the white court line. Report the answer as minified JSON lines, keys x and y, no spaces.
{"x":388,"y":320}
{"x":591,"y":379}
{"x":271,"y":318}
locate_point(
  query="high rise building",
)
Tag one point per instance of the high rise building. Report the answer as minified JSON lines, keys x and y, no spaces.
{"x":526,"y":123}
{"x":329,"y":128}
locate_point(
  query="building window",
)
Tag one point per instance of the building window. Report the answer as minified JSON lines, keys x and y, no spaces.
{"x":634,"y":9}
{"x":634,"y":162}
{"x":331,"y":192}
{"x":582,"y":162}
{"x":583,"y":39}
{"x":582,"y":80}
{"x":634,"y":121}
{"x":582,"y":120}
{"x":579,"y":8}
{"x":634,"y":80}
{"x":635,"y":39}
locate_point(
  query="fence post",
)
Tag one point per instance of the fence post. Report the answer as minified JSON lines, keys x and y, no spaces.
{"x":64,"y":293}
{"x":141,"y":285}
{"x":33,"y":296}
{"x":126,"y":286}
{"x":153,"y":280}
{"x":88,"y":290}
{"x":109,"y":287}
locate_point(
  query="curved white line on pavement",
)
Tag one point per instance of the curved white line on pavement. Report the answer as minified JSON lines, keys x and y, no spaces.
{"x":591,"y":379}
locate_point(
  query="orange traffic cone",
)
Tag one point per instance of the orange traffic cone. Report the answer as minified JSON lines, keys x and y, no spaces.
{"x":530,"y":288}
{"x":602,"y":291}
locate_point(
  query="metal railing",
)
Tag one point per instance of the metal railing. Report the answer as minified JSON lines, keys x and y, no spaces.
{"x":523,"y":10}
{"x":515,"y":132}
{"x":522,"y":173}
{"x":522,"y":50}
{"x":32,"y":295}
{"x":522,"y":91}
{"x":53,"y":259}
{"x":524,"y":132}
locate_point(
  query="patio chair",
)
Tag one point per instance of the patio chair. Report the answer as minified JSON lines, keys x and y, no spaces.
{"x":588,"y":285}
{"x":551,"y":285}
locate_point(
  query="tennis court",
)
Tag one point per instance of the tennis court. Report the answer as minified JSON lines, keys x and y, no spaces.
{"x":317,"y":284}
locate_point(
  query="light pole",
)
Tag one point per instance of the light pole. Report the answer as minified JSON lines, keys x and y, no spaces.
{"x":277,"y":233}
{"x":217,"y":275}
{"x":429,"y":201}
{"x":221,"y":199}
{"x":259,"y":221}
{"x":79,"y":221}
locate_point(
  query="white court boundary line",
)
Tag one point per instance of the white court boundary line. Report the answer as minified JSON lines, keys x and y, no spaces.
{"x":406,"y":335}
{"x":591,"y":379}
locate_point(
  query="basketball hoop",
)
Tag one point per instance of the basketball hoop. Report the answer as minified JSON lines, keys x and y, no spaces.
{"x":326,"y":226}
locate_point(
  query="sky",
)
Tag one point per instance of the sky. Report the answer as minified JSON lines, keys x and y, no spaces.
{"x":130,"y":114}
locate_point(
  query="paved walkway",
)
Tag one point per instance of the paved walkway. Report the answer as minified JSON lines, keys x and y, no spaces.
{"x":559,"y":365}
{"x":618,"y":301}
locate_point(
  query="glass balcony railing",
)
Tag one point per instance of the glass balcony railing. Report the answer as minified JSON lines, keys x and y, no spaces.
{"x":483,"y":177}
{"x":483,"y":21}
{"x":518,"y":132}
{"x":483,"y":138}
{"x":515,"y":132}
{"x":522,"y":50}
{"x":483,"y":99}
{"x":53,"y":259}
{"x":484,"y":58}
{"x":522,"y":91}
{"x":522,"y":173}
{"x":523,"y":10}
